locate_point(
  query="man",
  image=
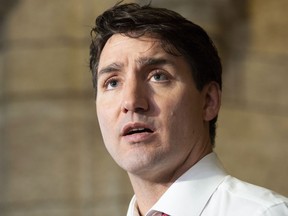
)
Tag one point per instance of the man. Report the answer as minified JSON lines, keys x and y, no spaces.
{"x":157,"y":78}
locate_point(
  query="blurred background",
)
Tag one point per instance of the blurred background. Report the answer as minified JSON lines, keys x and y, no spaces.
{"x":52,"y":159}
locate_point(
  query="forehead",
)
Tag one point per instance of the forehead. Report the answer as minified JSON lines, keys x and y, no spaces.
{"x":120,"y":40}
{"x":121,"y":48}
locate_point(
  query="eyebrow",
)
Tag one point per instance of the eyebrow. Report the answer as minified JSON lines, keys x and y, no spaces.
{"x":142,"y":62}
{"x":109,"y":68}
{"x":147,"y":61}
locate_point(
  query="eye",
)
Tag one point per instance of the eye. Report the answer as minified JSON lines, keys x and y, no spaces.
{"x":159,"y":76}
{"x":111,"y":84}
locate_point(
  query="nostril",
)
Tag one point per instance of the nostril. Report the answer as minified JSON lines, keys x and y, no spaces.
{"x":135,"y":105}
{"x":139,"y":109}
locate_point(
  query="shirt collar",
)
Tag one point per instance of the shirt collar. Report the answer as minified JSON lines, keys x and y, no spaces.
{"x":132,"y":209}
{"x":190,"y":193}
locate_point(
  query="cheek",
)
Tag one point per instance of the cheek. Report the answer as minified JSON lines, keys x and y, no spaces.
{"x":108,"y":132}
{"x":105,"y":120}
{"x":172,"y":118}
{"x":183,"y":118}
{"x":105,"y":108}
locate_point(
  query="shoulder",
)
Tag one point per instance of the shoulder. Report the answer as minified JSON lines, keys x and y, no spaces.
{"x":248,"y":199}
{"x":253,"y":193}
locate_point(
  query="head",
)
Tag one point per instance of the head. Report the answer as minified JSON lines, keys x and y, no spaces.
{"x":160,"y":29}
{"x":177,"y":34}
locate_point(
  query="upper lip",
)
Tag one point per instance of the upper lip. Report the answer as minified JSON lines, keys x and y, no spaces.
{"x":134,"y":126}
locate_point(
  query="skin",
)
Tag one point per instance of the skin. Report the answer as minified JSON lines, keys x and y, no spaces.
{"x":142,"y":86}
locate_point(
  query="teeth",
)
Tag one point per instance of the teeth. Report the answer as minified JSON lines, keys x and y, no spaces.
{"x":137,"y":129}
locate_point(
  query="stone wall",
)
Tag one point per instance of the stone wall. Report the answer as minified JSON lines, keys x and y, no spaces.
{"x":52,"y":159}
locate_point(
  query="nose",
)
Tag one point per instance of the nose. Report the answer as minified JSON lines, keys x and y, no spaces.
{"x":135,"y":97}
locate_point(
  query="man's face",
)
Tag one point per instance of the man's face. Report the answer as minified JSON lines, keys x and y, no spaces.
{"x":150,"y":113}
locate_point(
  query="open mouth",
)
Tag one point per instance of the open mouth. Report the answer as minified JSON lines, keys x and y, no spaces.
{"x":138,"y":130}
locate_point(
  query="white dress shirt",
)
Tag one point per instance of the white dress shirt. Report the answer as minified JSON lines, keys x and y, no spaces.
{"x":206,"y":190}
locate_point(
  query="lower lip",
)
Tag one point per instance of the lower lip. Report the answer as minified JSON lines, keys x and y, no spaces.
{"x":138,"y":137}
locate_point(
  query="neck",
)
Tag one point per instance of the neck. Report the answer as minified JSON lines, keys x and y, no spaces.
{"x":149,"y":190}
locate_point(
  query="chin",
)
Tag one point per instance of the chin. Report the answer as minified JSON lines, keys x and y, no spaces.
{"x":137,"y":164}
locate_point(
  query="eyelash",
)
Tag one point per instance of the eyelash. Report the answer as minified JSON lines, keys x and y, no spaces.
{"x":109,"y":81}
{"x":159,"y":73}
{"x":116,"y":81}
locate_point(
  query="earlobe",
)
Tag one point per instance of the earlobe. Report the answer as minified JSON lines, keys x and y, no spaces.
{"x":212,"y":101}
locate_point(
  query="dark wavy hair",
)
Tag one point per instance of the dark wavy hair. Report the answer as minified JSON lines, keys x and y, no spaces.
{"x":177,"y":35}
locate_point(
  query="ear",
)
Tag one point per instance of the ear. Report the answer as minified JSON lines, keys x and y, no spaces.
{"x":212,"y":101}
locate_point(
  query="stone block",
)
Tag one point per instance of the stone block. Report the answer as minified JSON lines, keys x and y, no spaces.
{"x":268,"y":25}
{"x":1,"y":74}
{"x":38,"y":20}
{"x":44,"y":144}
{"x":54,"y":157}
{"x":253,"y":146}
{"x":47,"y":70}
{"x":45,"y":19}
{"x":104,"y":207}
{"x":43,"y":211}
{"x":265,"y":81}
